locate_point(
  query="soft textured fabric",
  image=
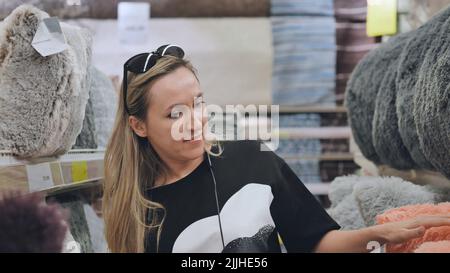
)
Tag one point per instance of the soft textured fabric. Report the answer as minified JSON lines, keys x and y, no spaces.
{"x":353,"y":34}
{"x":81,"y":42}
{"x":28,"y":224}
{"x":299,"y":120}
{"x":432,"y":102}
{"x":42,"y":100}
{"x":104,"y":103}
{"x":387,"y":141}
{"x":70,"y":245}
{"x":296,"y":147}
{"x":304,"y":7}
{"x":330,"y":169}
{"x":78,"y":224}
{"x":379,"y":194}
{"x":348,"y":57}
{"x":208,"y":8}
{"x":347,"y":214}
{"x":410,"y":62}
{"x":408,"y":73}
{"x":308,"y":170}
{"x":350,"y":10}
{"x":362,"y":90}
{"x":341,"y":187}
{"x":96,"y":228}
{"x":335,"y":146}
{"x":344,"y":208}
{"x":434,"y":247}
{"x":304,"y":60}
{"x":159,"y":8}
{"x":357,"y":200}
{"x":87,"y":139}
{"x":334,"y":120}
{"x":341,"y":85}
{"x":432,"y":234}
{"x":57,"y":8}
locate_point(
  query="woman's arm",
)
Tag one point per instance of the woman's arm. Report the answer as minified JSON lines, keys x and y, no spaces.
{"x":396,"y":232}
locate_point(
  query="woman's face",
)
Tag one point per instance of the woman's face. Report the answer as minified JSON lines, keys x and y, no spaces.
{"x":175,"y":117}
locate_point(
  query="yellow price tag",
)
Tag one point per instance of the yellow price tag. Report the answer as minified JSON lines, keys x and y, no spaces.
{"x":381,"y":17}
{"x":79,"y":171}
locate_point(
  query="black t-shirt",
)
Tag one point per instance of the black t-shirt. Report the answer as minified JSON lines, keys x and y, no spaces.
{"x":259,"y":198}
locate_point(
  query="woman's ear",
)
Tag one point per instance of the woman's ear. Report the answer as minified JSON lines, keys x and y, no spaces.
{"x":138,"y":126}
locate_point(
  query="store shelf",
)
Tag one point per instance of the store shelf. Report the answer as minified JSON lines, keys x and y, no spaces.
{"x":321,"y":157}
{"x":287,"y":109}
{"x":76,"y":169}
{"x":317,"y":133}
{"x":312,"y":109}
{"x":319,"y":188}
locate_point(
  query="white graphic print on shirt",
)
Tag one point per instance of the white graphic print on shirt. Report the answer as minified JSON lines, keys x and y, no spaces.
{"x":246,"y":223}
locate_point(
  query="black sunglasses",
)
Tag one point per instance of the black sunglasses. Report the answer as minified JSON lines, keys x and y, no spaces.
{"x":141,"y":63}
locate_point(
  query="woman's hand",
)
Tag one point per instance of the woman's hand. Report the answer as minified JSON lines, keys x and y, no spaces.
{"x":399,"y":232}
{"x":395,"y":232}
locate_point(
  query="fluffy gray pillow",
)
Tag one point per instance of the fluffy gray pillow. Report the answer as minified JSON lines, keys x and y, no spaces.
{"x":104,"y":104}
{"x":432,"y":102}
{"x":387,"y":141}
{"x":42,"y":99}
{"x":362,"y":90}
{"x":408,"y":73}
{"x":357,"y":200}
{"x":87,"y":139}
{"x":341,"y":187}
{"x":346,"y":214}
{"x":377,"y":194}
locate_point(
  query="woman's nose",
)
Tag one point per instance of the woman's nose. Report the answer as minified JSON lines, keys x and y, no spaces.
{"x":195,"y":123}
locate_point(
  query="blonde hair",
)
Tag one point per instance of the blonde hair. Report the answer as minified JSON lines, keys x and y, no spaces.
{"x":132,"y":165}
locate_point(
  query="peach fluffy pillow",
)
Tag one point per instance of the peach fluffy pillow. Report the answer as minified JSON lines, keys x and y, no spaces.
{"x":432,"y":240}
{"x":434,"y":247}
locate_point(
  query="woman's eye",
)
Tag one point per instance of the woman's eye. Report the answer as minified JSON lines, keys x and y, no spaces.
{"x":175,"y":115}
{"x":199,"y":100}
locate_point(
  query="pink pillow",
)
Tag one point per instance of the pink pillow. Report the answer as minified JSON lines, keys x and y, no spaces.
{"x":434,"y":247}
{"x":408,"y":212}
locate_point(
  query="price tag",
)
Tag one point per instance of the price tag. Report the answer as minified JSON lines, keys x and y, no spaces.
{"x":49,"y":38}
{"x":79,"y":171}
{"x":381,"y":17}
{"x":39,"y":177}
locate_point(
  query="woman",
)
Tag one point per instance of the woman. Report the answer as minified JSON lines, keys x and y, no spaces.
{"x":165,"y":194}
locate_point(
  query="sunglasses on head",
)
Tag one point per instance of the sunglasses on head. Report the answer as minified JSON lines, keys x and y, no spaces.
{"x":141,"y":63}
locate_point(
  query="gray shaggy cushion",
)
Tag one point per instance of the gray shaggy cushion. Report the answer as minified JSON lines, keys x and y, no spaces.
{"x":386,"y":138}
{"x":362,"y":90}
{"x":432,"y":102}
{"x":104,"y":103}
{"x":42,"y":99}
{"x":96,"y":227}
{"x":78,"y":224}
{"x":87,"y":139}
{"x":341,"y":187}
{"x":411,"y":60}
{"x":346,"y":214}
{"x":378,"y":194}
{"x":357,"y":200}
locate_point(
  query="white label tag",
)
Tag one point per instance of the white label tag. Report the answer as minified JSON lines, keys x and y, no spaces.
{"x":133,"y":22}
{"x":49,"y":38}
{"x":39,"y":177}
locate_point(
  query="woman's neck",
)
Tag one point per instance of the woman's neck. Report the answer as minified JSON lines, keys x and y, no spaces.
{"x":177,"y":169}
